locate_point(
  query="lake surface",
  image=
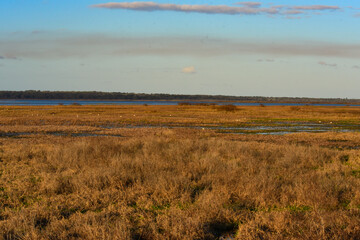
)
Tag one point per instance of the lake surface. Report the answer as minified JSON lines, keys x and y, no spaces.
{"x":29,"y":102}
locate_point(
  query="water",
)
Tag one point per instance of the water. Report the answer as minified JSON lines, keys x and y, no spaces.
{"x":280,"y":128}
{"x":277,"y":129}
{"x":31,"y":102}
{"x":58,"y":134}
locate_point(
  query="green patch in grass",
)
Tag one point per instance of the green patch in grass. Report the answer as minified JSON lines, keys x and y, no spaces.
{"x":132,"y":205}
{"x":355,"y":173}
{"x":344,"y":159}
{"x":160,"y":207}
{"x":183,"y":206}
{"x":96,"y":210}
{"x":299,"y":208}
{"x":345,"y":203}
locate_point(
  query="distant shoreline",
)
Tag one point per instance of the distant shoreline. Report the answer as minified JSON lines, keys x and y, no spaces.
{"x":120,"y":96}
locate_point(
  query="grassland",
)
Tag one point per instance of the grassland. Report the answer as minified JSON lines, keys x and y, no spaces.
{"x":169,"y":172}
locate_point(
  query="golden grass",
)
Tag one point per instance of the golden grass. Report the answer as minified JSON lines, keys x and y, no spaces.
{"x":170,"y":115}
{"x":181,"y":183}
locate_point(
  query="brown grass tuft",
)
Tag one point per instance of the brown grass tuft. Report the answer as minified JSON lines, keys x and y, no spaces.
{"x":227,"y":108}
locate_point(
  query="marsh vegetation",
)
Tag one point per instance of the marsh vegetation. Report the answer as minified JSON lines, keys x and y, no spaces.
{"x":176,"y":183}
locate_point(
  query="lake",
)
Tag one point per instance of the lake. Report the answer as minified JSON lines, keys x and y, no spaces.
{"x":31,"y":102}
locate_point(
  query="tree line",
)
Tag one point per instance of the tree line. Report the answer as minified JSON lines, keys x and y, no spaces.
{"x":95,"y":95}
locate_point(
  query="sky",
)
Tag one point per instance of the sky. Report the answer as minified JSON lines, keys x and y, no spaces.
{"x":279,"y":48}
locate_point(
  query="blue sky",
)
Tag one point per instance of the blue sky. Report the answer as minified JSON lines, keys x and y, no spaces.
{"x":251,"y":48}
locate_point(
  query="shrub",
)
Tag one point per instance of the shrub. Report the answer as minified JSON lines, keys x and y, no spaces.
{"x":227,"y":108}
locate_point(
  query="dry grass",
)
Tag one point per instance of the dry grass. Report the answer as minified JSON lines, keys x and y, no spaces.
{"x":170,"y":115}
{"x":170,"y":188}
{"x":155,"y":183}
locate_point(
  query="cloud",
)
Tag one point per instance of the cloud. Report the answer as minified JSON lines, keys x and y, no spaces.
{"x":357,"y":15}
{"x":266,"y":60}
{"x":209,"y":9}
{"x":38,"y":32}
{"x":190,"y":69}
{"x":249,"y":4}
{"x":316,"y":7}
{"x":292,"y":17}
{"x":293,"y":12}
{"x":356,"y":66}
{"x":327,"y":64}
{"x":84,"y":46}
{"x":8,"y":56}
{"x":247,"y":8}
{"x":355,"y":8}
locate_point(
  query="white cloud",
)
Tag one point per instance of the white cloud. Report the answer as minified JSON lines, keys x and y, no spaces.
{"x":190,"y":69}
{"x":84,"y":46}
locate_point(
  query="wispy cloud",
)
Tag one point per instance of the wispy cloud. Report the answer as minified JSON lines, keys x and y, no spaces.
{"x":249,"y":4}
{"x":190,"y":69}
{"x":38,"y":32}
{"x":209,"y":9}
{"x":356,"y":10}
{"x":247,"y":8}
{"x":293,"y":17}
{"x":293,"y":12}
{"x":99,"y":45}
{"x":266,"y":60}
{"x":327,"y":64}
{"x":356,"y":66}
{"x":316,"y":7}
{"x":8,"y":56}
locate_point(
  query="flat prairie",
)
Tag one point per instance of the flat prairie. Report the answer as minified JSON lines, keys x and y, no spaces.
{"x":179,"y":172}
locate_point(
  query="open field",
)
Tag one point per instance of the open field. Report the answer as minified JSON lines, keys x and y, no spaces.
{"x":179,"y":172}
{"x":107,"y":119}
